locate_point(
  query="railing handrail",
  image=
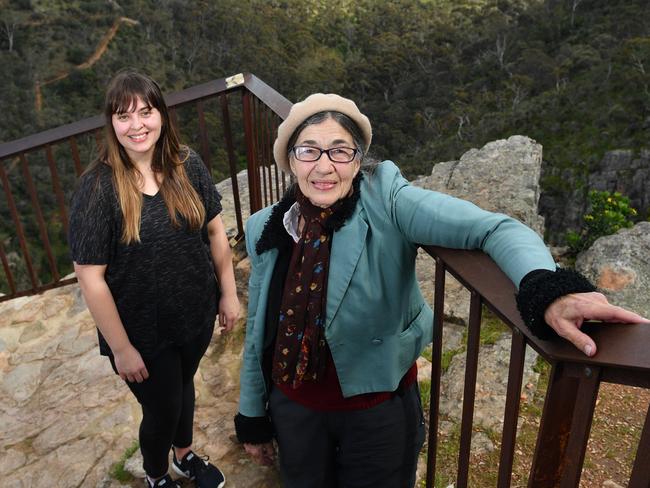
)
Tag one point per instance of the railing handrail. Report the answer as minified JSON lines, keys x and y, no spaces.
{"x":262,"y":109}
{"x":275,"y":101}
{"x":271,"y":98}
{"x":573,"y":381}
{"x":620,"y":346}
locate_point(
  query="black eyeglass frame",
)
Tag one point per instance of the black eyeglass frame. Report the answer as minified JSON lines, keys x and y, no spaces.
{"x":354,"y":150}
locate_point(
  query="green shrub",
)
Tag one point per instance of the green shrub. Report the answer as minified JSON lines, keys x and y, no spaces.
{"x":608,"y":213}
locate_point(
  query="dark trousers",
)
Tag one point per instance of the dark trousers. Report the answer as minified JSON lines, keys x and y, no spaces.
{"x":372,"y":448}
{"x":167,"y":401}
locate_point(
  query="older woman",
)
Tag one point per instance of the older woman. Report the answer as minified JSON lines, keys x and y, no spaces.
{"x":336,"y":320}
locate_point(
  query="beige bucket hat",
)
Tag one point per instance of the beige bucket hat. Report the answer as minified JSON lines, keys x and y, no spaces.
{"x":317,"y":102}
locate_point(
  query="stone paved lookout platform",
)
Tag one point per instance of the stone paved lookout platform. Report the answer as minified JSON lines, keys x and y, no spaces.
{"x":67,"y":418}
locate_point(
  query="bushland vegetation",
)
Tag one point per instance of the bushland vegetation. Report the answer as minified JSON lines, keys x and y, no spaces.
{"x":436,"y":77}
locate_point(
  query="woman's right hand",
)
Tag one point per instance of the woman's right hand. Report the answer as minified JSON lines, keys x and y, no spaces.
{"x":129,"y":365}
{"x":567,"y":314}
{"x":262,"y":454}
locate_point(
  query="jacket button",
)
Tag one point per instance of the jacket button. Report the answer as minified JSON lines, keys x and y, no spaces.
{"x":376,"y":342}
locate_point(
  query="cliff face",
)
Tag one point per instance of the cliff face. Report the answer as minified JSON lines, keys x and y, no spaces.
{"x":620,"y":171}
{"x":626,"y":173}
{"x":502,"y":176}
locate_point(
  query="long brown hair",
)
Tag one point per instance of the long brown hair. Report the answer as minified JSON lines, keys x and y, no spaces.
{"x":168,"y":157}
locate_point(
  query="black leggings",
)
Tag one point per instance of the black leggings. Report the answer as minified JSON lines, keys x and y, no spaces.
{"x":167,"y":400}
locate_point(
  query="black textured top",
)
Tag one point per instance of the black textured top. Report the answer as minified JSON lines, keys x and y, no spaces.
{"x":164,"y":287}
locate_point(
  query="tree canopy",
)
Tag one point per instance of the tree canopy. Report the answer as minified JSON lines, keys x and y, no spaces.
{"x":436,"y":77}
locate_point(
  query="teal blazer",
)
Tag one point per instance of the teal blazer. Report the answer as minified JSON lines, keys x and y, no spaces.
{"x":377,"y":322}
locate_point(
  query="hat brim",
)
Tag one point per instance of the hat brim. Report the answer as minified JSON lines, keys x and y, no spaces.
{"x":313,"y":104}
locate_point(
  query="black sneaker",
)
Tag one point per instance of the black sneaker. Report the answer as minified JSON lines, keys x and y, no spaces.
{"x":164,"y":482}
{"x":205,"y":474}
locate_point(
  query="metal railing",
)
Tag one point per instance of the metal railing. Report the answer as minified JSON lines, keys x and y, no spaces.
{"x":572,"y":391}
{"x":38,"y":172}
{"x":208,"y":127}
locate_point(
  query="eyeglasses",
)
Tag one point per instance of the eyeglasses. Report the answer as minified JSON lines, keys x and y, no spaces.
{"x":310,"y":154}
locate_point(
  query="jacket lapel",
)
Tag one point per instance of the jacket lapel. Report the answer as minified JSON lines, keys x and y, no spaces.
{"x":347,"y":246}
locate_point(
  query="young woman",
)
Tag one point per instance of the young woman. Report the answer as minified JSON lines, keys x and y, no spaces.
{"x":155,"y":266}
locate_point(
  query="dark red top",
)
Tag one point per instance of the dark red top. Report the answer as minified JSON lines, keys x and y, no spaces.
{"x":326,"y":395}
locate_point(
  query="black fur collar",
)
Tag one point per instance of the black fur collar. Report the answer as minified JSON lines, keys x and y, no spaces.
{"x":275,"y":235}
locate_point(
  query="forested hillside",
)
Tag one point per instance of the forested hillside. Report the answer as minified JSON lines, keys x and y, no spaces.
{"x":436,"y":77}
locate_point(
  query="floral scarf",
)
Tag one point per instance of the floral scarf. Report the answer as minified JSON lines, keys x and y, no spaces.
{"x":300,"y":347}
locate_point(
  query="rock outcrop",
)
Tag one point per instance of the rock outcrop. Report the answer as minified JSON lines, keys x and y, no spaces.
{"x":502,"y":176}
{"x":66,"y":418}
{"x":619,"y":265}
{"x":627,"y":173}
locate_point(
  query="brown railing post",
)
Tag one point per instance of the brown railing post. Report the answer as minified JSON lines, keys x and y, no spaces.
{"x":227,"y":131}
{"x":282,"y":176}
{"x":640,"y":477}
{"x":75,"y":156}
{"x":58,"y":191}
{"x":589,"y":382}
{"x":268,"y":157}
{"x":266,"y":164}
{"x":19,"y":228}
{"x":254,"y":190}
{"x":7,"y":269}
{"x":436,"y":370}
{"x":511,"y":415}
{"x":31,"y":190}
{"x":564,"y":427}
{"x":469,"y":389}
{"x":259,"y":156}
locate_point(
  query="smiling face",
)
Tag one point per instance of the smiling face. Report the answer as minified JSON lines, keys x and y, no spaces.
{"x":137,"y":130}
{"x":324,"y":182}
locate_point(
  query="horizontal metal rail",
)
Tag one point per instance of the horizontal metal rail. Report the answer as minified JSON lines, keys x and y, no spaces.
{"x":33,"y":245}
{"x":247,"y":132}
{"x":573,"y":384}
{"x":267,"y":95}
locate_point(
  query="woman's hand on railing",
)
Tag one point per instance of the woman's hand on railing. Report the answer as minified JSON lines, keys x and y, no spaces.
{"x":567,"y":314}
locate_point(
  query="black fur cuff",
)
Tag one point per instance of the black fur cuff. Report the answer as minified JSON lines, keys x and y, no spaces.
{"x":539,"y":288}
{"x":253,"y":430}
